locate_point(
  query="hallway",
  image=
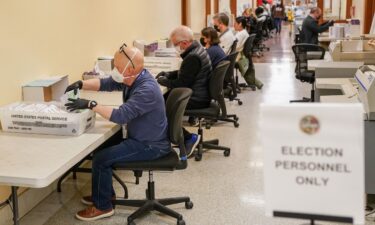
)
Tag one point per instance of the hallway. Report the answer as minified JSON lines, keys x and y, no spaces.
{"x":225,"y":191}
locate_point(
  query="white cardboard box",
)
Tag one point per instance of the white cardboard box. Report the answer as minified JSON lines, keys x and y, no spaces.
{"x":45,"y":90}
{"x":69,"y":124}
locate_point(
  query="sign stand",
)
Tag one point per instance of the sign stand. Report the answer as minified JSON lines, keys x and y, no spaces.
{"x":313,"y":217}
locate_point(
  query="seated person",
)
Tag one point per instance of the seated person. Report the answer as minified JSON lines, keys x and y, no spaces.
{"x":261,"y":14}
{"x":243,"y":62}
{"x":143,"y":111}
{"x":194,"y":74}
{"x":221,"y":22}
{"x":210,"y":40}
{"x":311,"y":28}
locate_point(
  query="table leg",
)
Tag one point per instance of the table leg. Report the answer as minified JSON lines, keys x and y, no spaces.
{"x":15,"y":205}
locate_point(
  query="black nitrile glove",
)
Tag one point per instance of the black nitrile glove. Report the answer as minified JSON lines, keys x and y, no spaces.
{"x":75,"y":104}
{"x":75,"y":86}
{"x":161,"y":74}
{"x":163,"y":81}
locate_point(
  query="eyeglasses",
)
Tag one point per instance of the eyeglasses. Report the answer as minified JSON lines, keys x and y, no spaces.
{"x":178,"y":42}
{"x":127,"y":56}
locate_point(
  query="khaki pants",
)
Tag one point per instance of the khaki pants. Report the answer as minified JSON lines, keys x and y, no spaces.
{"x":248,"y":72}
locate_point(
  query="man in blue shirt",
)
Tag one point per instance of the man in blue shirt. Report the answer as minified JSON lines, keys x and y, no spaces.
{"x":143,"y":113}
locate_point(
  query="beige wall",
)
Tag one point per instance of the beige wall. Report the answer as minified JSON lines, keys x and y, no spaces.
{"x":41,"y":38}
{"x":359,"y":11}
{"x":196,"y":16}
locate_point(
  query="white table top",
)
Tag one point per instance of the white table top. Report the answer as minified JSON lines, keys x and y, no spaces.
{"x":324,"y":63}
{"x":347,"y":85}
{"x":30,"y":160}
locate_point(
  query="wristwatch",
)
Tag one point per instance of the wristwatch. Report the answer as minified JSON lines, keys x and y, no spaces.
{"x":92,"y":104}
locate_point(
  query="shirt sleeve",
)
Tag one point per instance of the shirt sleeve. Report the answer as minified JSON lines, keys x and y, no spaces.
{"x":314,"y":27}
{"x":140,"y":102}
{"x":108,"y":84}
{"x":226,"y":42}
{"x":188,"y":71}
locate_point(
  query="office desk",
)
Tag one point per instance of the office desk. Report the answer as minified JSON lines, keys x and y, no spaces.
{"x":35,"y":161}
{"x":348,"y":87}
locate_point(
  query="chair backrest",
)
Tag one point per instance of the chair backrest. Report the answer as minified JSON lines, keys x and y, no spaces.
{"x":230,"y":72}
{"x":175,"y":108}
{"x":305,"y":52}
{"x":259,"y":29}
{"x":233,"y":47}
{"x":216,"y":85}
{"x":217,"y":80}
{"x":248,"y":46}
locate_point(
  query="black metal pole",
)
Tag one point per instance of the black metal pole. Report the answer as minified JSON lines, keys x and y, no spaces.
{"x":312,"y":222}
{"x":15,"y":205}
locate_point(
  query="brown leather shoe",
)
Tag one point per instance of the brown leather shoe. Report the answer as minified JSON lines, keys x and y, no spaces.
{"x":92,"y":213}
{"x":87,"y":200}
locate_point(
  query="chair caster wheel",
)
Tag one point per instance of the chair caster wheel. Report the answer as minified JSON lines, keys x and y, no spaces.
{"x":180,"y":222}
{"x":198,"y":157}
{"x":227,"y":153}
{"x":240,"y":102}
{"x":189,"y":205}
{"x":131,"y":223}
{"x":236,"y":124}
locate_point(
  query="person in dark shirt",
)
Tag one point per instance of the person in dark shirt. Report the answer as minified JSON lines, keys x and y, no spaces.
{"x":194,"y":74}
{"x":143,"y":111}
{"x":310,"y":27}
{"x":210,"y":40}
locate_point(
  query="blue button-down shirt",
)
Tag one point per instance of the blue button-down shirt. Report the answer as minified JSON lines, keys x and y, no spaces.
{"x":143,"y":110}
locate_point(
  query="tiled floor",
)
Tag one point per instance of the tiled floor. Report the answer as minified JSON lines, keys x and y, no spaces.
{"x":225,"y":191}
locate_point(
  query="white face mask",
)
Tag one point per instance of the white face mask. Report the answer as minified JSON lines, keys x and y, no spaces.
{"x":119,"y":77}
{"x":179,"y":50}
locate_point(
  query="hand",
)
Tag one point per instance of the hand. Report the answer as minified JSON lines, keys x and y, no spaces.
{"x":161,"y":74}
{"x":163,"y":81}
{"x":75,"y":86}
{"x":331,"y":22}
{"x":75,"y":104}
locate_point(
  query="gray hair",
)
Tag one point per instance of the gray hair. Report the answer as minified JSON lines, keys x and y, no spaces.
{"x":314,"y":9}
{"x":182,"y":33}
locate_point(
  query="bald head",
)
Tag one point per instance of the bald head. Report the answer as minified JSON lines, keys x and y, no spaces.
{"x":121,"y":60}
{"x":182,"y":33}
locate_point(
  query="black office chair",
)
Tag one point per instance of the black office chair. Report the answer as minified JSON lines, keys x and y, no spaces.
{"x":213,"y":111}
{"x":175,"y":107}
{"x":230,"y":87}
{"x":248,"y":53}
{"x":258,"y":41}
{"x":233,"y":47}
{"x":303,"y":53}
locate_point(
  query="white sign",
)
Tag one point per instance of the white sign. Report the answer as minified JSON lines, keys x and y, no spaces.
{"x":314,"y":159}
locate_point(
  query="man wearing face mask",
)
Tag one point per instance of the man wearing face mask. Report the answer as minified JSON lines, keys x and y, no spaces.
{"x":221,"y":22}
{"x":310,"y":27}
{"x":143,"y":111}
{"x":194,"y":73}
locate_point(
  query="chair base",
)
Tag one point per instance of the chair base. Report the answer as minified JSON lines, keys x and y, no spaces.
{"x":301,"y":100}
{"x":204,"y":146}
{"x":152,"y":204}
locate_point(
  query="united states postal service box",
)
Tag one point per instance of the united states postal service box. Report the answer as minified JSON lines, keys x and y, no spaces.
{"x":314,"y":161}
{"x":45,"y":90}
{"x":69,"y":124}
